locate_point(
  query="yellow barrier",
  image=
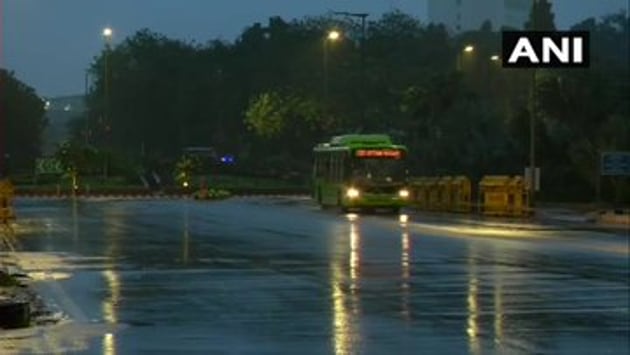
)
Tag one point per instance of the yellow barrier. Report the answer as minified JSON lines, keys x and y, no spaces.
{"x":445,"y":193}
{"x":502,"y":196}
{"x":461,"y":194}
{"x":518,"y":197}
{"x":433,"y":195}
{"x":6,"y":202}
{"x":420,"y":193}
{"x":499,"y":195}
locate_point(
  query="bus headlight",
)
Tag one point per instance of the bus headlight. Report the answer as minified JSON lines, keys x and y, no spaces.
{"x":404,"y":193}
{"x":352,"y":193}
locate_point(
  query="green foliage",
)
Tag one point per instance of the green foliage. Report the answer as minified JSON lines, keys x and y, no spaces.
{"x":77,"y":158}
{"x":185,"y":168}
{"x":267,"y":115}
{"x":270,"y":114}
{"x":585,"y":112}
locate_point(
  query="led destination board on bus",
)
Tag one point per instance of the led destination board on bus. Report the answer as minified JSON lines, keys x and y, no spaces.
{"x":378,"y":153}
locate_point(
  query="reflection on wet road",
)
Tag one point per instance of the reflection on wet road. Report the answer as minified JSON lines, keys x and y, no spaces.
{"x":270,"y":276}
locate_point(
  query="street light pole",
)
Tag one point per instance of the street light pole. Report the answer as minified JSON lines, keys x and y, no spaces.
{"x":460,"y":58}
{"x":363,"y":17}
{"x":330,"y":37}
{"x":85,"y":99}
{"x":107,"y":34}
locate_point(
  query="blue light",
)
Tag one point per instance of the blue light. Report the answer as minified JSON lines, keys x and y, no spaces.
{"x":227,"y":159}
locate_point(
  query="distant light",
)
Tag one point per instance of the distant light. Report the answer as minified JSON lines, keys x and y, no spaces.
{"x":494,"y":58}
{"x":404,"y":193}
{"x":469,"y":49}
{"x":334,"y":35}
{"x":352,"y":192}
{"x":403,"y":218}
{"x":108,"y":32}
{"x":47,"y":105}
{"x":227,"y":159}
{"x":67,"y":107}
{"x":185,"y":184}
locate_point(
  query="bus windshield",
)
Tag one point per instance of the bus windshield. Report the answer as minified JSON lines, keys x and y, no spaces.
{"x":378,"y":170}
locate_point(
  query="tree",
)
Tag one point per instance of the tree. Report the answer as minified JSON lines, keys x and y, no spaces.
{"x":541,"y":18}
{"x":585,"y":111}
{"x":76,"y":159}
{"x":25,"y":122}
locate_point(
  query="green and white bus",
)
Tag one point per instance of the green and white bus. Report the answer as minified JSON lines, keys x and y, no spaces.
{"x":361,"y":171}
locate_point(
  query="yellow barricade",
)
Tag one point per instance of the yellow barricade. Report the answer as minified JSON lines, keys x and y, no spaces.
{"x":420,"y":193}
{"x":433,"y":198}
{"x":445,"y":193}
{"x":493,"y":195}
{"x":461,"y":194}
{"x":503,"y":196}
{"x":518,"y":197}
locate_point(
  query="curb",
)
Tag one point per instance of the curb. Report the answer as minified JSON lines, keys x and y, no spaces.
{"x":153,"y":197}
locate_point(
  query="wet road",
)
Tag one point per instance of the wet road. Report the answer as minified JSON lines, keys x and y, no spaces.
{"x":280,"y":276}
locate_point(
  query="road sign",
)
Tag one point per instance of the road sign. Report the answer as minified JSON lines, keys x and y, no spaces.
{"x":48,"y":166}
{"x":615,"y":164}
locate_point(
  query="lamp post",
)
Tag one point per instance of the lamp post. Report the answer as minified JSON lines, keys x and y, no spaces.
{"x":468,"y":49}
{"x":363,"y":17}
{"x":87,"y":115}
{"x":332,"y":36}
{"x":108,"y":33}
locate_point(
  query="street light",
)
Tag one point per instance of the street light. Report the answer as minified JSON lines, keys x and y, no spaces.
{"x":468,"y":49}
{"x":495,"y":58}
{"x":332,"y":36}
{"x":362,"y":16}
{"x":108,"y":34}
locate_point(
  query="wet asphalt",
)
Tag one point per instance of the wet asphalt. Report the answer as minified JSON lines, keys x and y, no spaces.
{"x":281,"y":276}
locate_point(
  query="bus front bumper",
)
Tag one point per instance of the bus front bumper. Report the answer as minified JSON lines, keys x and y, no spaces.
{"x":376,"y":201}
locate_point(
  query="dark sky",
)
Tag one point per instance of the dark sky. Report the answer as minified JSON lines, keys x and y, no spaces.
{"x":49,"y":43}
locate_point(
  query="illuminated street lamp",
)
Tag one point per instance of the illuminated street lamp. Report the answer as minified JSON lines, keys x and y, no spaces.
{"x":495,"y":58}
{"x":108,"y":34}
{"x":468,"y":49}
{"x":362,"y":16}
{"x":332,"y":36}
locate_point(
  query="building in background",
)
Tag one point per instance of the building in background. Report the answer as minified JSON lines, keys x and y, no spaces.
{"x":467,"y":15}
